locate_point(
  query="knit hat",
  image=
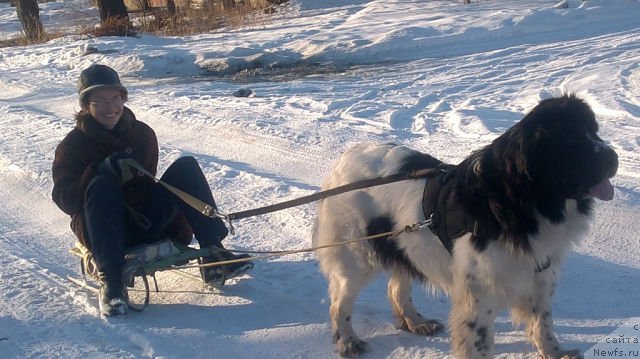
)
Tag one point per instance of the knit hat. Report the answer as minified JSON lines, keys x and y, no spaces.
{"x":99,"y":76}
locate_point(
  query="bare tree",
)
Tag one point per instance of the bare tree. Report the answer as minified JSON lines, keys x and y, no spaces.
{"x":29,"y":15}
{"x":112,"y":9}
{"x":114,"y":17}
{"x":171,"y":7}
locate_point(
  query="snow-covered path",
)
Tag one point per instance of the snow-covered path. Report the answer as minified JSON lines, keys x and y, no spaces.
{"x":439,"y":77}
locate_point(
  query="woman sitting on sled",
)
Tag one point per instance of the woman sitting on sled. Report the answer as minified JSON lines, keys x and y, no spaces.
{"x":112,"y":206}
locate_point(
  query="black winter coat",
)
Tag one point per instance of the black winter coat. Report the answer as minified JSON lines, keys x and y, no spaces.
{"x":85,"y":147}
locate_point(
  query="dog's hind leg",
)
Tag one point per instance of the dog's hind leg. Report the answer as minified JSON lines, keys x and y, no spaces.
{"x":407,"y":317}
{"x":343,"y":290}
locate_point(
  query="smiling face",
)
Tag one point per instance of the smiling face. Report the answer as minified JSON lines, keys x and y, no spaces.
{"x":105,"y":105}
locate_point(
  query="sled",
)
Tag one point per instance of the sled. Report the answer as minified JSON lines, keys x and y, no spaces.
{"x":141,"y":262}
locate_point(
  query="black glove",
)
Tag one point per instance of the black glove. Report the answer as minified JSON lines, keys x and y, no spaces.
{"x":116,"y":165}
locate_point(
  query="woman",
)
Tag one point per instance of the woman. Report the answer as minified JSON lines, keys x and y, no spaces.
{"x":112,"y":206}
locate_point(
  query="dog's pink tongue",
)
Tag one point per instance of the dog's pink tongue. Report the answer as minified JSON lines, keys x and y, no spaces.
{"x":603,"y":190}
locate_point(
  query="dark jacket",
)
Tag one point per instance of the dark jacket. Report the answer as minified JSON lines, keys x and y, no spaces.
{"x":85,"y":147}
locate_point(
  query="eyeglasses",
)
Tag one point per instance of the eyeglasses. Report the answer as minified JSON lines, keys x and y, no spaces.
{"x":102,"y":104}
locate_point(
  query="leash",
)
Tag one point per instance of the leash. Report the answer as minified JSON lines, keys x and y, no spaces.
{"x":367,"y":183}
{"x":197,"y":204}
{"x":209,"y":211}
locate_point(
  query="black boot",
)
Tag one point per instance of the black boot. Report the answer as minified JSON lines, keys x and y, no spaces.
{"x":106,"y":231}
{"x":112,"y":297}
{"x":216,"y":276}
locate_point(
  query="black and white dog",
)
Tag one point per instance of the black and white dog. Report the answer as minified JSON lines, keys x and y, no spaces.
{"x":504,"y":219}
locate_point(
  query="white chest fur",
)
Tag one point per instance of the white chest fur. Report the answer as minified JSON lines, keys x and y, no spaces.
{"x":508,"y":272}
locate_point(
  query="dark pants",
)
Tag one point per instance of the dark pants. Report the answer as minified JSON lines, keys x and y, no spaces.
{"x":111,"y":227}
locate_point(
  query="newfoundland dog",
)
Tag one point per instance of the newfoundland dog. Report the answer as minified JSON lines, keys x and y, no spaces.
{"x":499,"y":224}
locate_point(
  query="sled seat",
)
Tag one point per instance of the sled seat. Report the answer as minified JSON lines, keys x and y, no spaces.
{"x":142,"y":261}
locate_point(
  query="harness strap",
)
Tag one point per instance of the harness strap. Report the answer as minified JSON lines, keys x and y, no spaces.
{"x":197,"y":204}
{"x":449,"y":218}
{"x":209,"y":211}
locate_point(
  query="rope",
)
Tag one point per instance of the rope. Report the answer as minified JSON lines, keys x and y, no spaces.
{"x":269,"y":254}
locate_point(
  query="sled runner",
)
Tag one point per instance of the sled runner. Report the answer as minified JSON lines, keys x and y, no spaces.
{"x":141,"y":262}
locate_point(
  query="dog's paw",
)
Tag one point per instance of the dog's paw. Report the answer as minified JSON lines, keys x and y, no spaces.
{"x":352,"y":348}
{"x":428,"y":328}
{"x":565,"y":354}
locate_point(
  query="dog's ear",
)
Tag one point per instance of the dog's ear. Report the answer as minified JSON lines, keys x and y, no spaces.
{"x":513,"y":159}
{"x":516,"y":150}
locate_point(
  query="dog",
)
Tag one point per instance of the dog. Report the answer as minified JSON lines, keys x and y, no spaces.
{"x":500,"y":223}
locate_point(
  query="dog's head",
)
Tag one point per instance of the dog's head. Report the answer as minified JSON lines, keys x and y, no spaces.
{"x":555,"y":150}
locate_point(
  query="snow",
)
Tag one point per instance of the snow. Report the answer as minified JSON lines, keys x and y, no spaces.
{"x":437,"y":76}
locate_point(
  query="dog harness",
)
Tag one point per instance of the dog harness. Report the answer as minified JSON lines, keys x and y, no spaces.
{"x":449,"y":219}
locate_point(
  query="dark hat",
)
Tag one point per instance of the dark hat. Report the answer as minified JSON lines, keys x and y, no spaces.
{"x":97,"y":76}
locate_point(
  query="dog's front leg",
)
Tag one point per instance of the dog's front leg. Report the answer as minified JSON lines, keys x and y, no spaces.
{"x":472,"y":318}
{"x":535,"y":312}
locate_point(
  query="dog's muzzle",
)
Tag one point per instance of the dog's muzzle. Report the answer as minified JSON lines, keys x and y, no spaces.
{"x":607,"y":160}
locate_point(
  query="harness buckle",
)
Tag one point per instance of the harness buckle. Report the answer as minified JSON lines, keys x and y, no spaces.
{"x":212,"y":212}
{"x":206,"y":210}
{"x":418,"y":226}
{"x":429,"y":221}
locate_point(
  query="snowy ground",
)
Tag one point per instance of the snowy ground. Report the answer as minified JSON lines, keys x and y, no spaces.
{"x":435,"y":75}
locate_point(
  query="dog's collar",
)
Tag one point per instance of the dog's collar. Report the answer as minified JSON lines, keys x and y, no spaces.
{"x":477,"y":167}
{"x":541,"y":267}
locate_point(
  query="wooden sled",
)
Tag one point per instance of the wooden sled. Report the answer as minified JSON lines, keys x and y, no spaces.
{"x":140,"y":262}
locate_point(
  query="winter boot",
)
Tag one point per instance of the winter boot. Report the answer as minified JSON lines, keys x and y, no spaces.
{"x":113,"y":298}
{"x":217,"y":275}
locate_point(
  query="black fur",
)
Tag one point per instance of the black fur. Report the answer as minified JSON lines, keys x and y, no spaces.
{"x":418,"y":161}
{"x":386,"y":249}
{"x":534,"y":167}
